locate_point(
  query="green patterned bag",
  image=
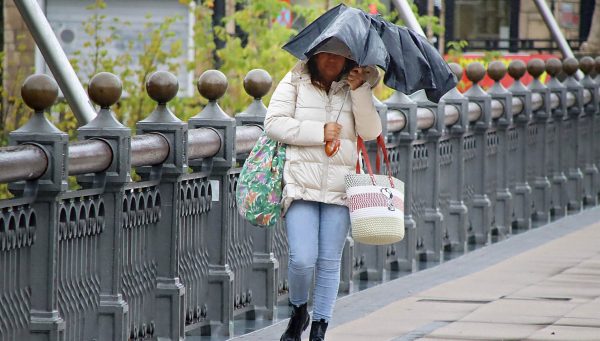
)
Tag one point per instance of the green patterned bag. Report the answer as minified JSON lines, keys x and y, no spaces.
{"x":258,"y":192}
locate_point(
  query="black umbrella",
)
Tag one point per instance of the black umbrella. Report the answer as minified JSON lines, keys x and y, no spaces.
{"x":410,"y":62}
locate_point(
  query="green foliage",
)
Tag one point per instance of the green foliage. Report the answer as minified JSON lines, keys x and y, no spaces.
{"x":489,"y":56}
{"x":14,"y":113}
{"x":4,"y":193}
{"x":261,"y":48}
{"x":258,"y":47}
{"x":160,"y":47}
{"x":455,"y":50}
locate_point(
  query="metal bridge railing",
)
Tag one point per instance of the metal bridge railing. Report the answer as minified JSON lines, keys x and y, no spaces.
{"x":168,"y":255}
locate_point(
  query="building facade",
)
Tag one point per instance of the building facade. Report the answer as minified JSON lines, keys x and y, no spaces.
{"x":515,"y":25}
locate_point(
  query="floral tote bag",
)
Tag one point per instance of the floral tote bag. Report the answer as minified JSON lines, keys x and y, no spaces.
{"x":260,"y":185}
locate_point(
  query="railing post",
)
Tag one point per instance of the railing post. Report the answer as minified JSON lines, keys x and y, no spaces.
{"x":541,"y":188}
{"x":430,"y":234}
{"x":525,"y":133}
{"x":167,"y":237}
{"x":105,"y":90}
{"x":557,"y":142}
{"x":504,"y":199}
{"x":42,"y":315}
{"x":269,"y":246}
{"x":402,"y":255}
{"x":223,"y":250}
{"x":477,"y":155}
{"x":588,"y":138}
{"x":452,"y":180}
{"x":257,"y":84}
{"x":573,"y":131}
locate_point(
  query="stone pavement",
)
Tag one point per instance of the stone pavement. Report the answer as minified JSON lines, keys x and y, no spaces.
{"x":540,"y":285}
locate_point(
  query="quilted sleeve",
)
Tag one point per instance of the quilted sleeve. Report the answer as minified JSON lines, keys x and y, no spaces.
{"x":368,"y":123}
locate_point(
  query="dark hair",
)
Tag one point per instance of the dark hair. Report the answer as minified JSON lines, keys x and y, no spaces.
{"x":315,"y":76}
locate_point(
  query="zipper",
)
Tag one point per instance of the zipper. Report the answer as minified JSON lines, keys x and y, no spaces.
{"x":329,"y":118}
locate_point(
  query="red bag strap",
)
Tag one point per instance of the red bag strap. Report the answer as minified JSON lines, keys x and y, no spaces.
{"x":360,"y":148}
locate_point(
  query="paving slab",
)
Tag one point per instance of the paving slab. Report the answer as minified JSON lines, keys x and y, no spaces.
{"x":521,"y":311}
{"x":565,"y":333}
{"x":484,"y":331}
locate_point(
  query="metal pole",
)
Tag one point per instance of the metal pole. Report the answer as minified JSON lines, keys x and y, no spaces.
{"x":56,"y":59}
{"x":408,"y":16}
{"x":557,"y":34}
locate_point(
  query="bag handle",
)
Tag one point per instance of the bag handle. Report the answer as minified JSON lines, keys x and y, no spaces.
{"x":360,"y":147}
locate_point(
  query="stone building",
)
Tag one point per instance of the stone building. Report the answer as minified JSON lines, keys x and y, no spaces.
{"x":515,"y":26}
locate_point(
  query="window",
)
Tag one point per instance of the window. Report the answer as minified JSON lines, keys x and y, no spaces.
{"x":481,"y":19}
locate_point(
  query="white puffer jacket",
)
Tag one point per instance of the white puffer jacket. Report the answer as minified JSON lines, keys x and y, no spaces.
{"x":297,"y":115}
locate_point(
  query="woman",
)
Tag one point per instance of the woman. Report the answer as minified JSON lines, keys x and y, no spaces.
{"x":302,"y":114}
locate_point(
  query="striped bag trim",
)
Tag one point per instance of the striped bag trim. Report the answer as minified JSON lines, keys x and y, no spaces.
{"x":364,"y":199}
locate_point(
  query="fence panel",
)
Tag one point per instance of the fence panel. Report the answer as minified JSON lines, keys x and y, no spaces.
{"x":18,"y":226}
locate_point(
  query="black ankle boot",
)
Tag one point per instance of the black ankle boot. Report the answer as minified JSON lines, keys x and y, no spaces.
{"x":317,"y":330}
{"x":298,"y":323}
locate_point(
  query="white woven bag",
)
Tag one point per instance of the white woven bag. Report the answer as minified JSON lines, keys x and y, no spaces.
{"x":376,"y":202}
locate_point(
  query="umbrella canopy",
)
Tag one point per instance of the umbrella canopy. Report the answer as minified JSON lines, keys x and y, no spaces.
{"x":410,"y":62}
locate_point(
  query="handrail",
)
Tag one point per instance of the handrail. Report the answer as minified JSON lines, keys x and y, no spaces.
{"x":554,"y":101}
{"x":89,"y":156}
{"x":451,"y":115}
{"x":23,"y":162}
{"x":27,"y":161}
{"x":396,"y":120}
{"x":517,"y":106}
{"x":497,"y":108}
{"x":474,"y":112}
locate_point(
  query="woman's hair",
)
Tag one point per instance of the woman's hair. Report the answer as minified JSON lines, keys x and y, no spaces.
{"x":315,"y":76}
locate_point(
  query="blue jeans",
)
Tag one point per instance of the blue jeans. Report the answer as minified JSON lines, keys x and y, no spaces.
{"x":316,"y":235}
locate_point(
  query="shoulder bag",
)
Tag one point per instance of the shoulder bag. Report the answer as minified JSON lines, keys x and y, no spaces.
{"x":376,"y":202}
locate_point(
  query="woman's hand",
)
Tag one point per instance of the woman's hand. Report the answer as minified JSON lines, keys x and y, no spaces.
{"x":356,"y":77}
{"x":331,"y":131}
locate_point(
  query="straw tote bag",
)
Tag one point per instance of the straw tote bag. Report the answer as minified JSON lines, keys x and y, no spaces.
{"x":375,"y":202}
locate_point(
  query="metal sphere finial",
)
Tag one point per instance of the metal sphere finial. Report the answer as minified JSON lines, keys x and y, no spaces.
{"x":516,"y":69}
{"x":257,"y":83}
{"x":457,"y":70}
{"x":536,"y":67}
{"x":475,"y":72}
{"x":212,"y":84}
{"x":553,"y":66}
{"x":39,"y":92}
{"x":586,"y":65}
{"x":496,"y":70}
{"x":162,"y":86}
{"x":570,"y":66}
{"x":105,"y":89}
